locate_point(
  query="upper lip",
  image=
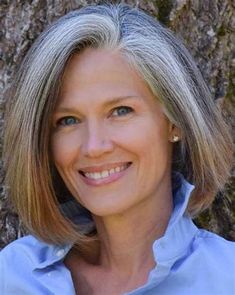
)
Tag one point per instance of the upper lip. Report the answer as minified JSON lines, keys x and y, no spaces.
{"x":90,"y":169}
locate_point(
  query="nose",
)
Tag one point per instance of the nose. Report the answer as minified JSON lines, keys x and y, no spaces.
{"x":96,"y":141}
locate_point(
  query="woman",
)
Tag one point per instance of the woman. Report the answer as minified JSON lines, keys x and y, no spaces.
{"x":110,"y":122}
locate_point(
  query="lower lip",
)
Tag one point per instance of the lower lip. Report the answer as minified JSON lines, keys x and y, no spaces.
{"x":98,"y":182}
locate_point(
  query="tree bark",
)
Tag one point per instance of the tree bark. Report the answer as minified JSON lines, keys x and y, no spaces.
{"x":207,"y":28}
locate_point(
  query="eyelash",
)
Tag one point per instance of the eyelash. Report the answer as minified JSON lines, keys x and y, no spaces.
{"x":62,"y":121}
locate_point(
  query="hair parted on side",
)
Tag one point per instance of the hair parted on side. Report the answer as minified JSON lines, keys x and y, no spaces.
{"x":203,"y":155}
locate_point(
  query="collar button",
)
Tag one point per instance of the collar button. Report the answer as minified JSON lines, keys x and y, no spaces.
{"x":60,"y":253}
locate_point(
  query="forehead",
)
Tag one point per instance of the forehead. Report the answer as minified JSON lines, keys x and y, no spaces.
{"x":100,"y":67}
{"x":96,"y":76}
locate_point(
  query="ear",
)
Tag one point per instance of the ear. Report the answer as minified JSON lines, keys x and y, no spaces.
{"x":174,"y":133}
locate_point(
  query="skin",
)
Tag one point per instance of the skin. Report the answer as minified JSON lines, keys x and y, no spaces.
{"x":107,"y":116}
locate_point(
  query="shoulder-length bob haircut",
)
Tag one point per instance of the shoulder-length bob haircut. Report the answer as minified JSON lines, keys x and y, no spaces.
{"x":203,"y":155}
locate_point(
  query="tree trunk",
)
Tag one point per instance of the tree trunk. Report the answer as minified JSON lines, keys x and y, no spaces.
{"x":207,"y":28}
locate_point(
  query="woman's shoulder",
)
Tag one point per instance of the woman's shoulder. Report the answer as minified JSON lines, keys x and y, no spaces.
{"x":27,"y":248}
{"x":21,"y":257}
{"x":33,"y":252}
{"x":26,"y":264}
{"x":212,"y":240}
{"x":26,"y":241}
{"x":216,"y":250}
{"x":17,"y":262}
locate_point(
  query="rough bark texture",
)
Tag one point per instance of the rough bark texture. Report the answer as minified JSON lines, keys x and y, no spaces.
{"x":207,"y":28}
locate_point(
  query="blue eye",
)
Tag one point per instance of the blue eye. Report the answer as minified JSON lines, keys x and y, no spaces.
{"x":122,"y":111}
{"x":67,"y":121}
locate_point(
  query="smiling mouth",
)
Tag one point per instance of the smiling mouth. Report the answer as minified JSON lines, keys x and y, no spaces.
{"x":105,"y":173}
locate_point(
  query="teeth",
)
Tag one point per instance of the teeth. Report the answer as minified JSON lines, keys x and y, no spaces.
{"x":105,"y":173}
{"x":97,"y":175}
{"x":117,"y":169}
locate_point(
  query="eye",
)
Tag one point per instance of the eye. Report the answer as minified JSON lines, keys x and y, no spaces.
{"x":122,"y":111}
{"x":67,"y":121}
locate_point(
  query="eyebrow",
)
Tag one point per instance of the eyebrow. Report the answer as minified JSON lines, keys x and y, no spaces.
{"x":119,"y":99}
{"x":110,"y":102}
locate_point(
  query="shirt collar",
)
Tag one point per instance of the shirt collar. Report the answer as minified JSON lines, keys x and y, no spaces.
{"x":51,"y":255}
{"x":177,"y":238}
{"x":166,"y":250}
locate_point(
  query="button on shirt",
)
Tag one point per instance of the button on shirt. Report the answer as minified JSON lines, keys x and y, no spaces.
{"x":189,"y":261}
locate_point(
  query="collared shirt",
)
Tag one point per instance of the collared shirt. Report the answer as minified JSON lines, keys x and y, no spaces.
{"x":189,"y":261}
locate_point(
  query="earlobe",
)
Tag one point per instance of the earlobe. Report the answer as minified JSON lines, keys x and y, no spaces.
{"x":175,"y":138}
{"x":174,"y":133}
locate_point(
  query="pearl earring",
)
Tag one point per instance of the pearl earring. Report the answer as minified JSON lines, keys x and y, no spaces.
{"x":175,"y":138}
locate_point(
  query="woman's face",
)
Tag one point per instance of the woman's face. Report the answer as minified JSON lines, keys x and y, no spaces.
{"x":110,"y":139}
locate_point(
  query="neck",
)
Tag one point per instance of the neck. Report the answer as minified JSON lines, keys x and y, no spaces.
{"x":126,"y":239}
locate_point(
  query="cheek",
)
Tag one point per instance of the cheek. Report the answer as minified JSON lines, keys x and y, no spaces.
{"x":143,"y":136}
{"x":149,"y":141}
{"x":64,"y":148}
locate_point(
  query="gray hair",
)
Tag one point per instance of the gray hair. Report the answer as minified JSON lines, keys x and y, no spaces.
{"x":204,"y":153}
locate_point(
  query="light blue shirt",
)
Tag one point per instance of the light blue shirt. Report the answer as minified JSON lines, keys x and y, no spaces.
{"x":189,"y":261}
